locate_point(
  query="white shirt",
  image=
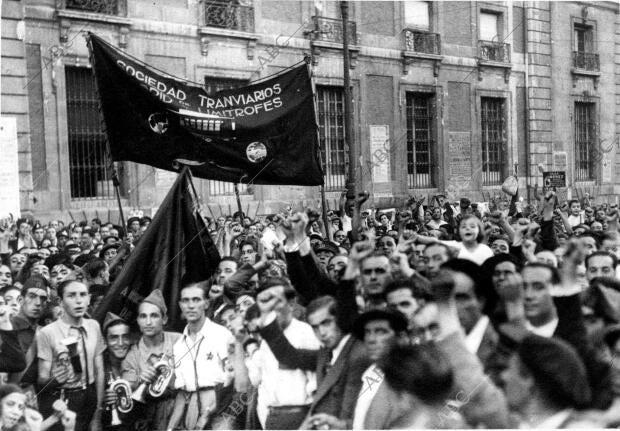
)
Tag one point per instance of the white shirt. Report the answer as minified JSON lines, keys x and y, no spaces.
{"x":481,"y":253}
{"x":475,"y":336}
{"x":200,"y":362}
{"x":545,"y":330}
{"x":336,"y":352}
{"x":278,"y":387}
{"x":371,"y":381}
{"x":574,"y":221}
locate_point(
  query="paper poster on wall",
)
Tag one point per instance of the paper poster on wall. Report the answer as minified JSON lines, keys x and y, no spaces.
{"x":380,"y":153}
{"x":9,"y":168}
{"x":606,"y":169}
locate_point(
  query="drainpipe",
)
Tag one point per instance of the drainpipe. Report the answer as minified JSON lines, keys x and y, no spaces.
{"x":527,"y":104}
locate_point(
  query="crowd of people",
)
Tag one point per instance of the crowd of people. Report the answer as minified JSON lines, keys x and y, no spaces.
{"x":439,"y":314}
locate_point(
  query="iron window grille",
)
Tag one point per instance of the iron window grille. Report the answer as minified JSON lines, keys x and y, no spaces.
{"x":586,"y":61}
{"x":420,"y":113}
{"x":493,"y":133}
{"x":231,"y":15}
{"x":108,"y":7}
{"x":331,"y":136}
{"x":89,"y":165}
{"x":585,"y":141}
{"x":213,"y":85}
{"x":422,"y":42}
{"x":494,"y":51}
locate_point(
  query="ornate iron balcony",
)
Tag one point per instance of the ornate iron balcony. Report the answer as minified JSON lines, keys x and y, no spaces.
{"x":330,"y":30}
{"x":422,"y":42}
{"x":108,"y":7}
{"x":494,"y":51}
{"x":586,"y":61}
{"x":229,"y":15}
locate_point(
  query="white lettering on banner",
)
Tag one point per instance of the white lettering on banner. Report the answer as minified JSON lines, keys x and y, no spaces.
{"x":235,"y":105}
{"x":9,"y":168}
{"x":157,"y":88}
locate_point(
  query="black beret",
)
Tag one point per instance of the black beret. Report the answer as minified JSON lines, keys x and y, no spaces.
{"x":397,"y":320}
{"x":555,"y":365}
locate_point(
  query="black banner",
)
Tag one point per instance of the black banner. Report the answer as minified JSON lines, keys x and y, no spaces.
{"x":554,"y":179}
{"x":264,"y":133}
{"x":174,"y":251}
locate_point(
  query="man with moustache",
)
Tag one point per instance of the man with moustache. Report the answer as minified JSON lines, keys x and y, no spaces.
{"x":200,"y":355}
{"x":154,"y":346}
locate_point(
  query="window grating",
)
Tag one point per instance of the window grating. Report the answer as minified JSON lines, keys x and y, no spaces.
{"x":493,"y":140}
{"x":420,"y":140}
{"x":585,"y":135}
{"x":88,"y":159}
{"x":331,"y":135}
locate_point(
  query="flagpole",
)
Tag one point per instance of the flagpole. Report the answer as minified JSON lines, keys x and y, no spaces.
{"x":239,"y":201}
{"x":116,"y":182}
{"x":349,"y":133}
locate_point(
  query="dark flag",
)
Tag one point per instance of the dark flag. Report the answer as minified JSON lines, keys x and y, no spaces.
{"x":174,"y":251}
{"x":265,"y":133}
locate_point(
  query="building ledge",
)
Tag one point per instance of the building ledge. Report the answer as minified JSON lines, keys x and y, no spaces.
{"x":317,"y":45}
{"x":584,"y":73}
{"x":94,"y":17}
{"x":67,"y":16}
{"x":506,"y":67}
{"x":408,"y":57}
{"x":208,"y":33}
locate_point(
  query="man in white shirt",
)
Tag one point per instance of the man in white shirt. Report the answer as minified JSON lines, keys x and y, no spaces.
{"x":199,"y":357}
{"x":284,"y":395}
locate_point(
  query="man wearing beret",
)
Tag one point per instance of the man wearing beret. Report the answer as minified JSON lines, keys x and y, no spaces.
{"x":154,"y":346}
{"x":545,"y":381}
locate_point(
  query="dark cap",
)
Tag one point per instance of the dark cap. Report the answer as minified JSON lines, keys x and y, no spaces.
{"x":62,"y":233}
{"x":111,"y":319}
{"x":106,"y":248}
{"x":327,"y":246}
{"x":398,"y":321}
{"x":555,"y":365}
{"x":132,"y":219}
{"x":36,"y":281}
{"x":465,"y":203}
{"x":272,"y":282}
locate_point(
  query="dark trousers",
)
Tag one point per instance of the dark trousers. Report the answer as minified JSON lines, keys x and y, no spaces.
{"x":82,"y":401}
{"x":286,"y":417}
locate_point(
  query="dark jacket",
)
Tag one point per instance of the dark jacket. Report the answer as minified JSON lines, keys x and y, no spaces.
{"x":12,"y":358}
{"x":339,"y":386}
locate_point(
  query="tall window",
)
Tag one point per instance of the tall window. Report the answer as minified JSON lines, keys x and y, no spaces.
{"x":420,"y":140}
{"x":88,"y":159}
{"x":417,"y":14}
{"x":584,"y":38}
{"x":493,"y":139}
{"x":331,"y":135}
{"x":585,"y":141}
{"x":489,"y":26}
{"x":213,"y":85}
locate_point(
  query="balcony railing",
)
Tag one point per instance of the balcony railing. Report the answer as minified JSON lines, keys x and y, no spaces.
{"x":422,"y":42}
{"x":586,"y":61}
{"x":330,"y":30}
{"x":108,"y":7}
{"x":229,"y":15}
{"x":494,"y":51}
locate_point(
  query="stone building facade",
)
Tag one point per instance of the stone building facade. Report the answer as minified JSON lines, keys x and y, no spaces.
{"x":448,"y":96}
